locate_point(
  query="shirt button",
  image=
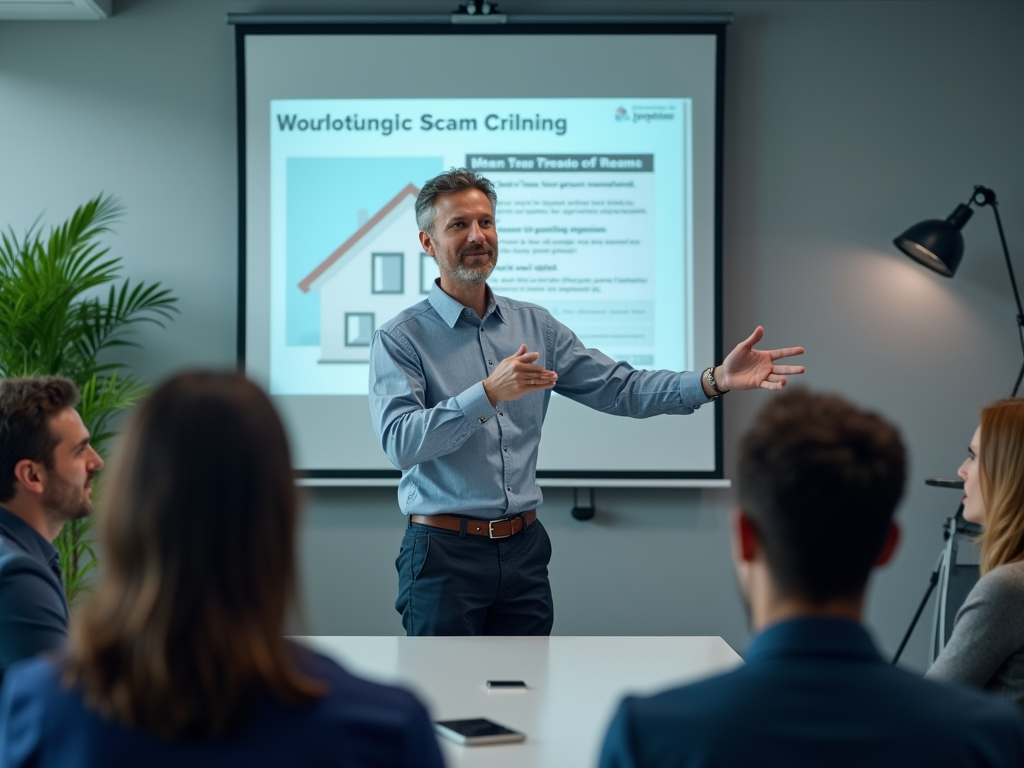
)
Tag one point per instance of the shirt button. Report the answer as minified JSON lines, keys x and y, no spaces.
{"x":490,"y":362}
{"x":481,"y":329}
{"x":501,"y":413}
{"x":504,"y":448}
{"x":508,"y":488}
{"x":482,"y":420}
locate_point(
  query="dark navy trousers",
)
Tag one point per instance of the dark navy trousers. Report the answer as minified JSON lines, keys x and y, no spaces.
{"x":452,"y":584}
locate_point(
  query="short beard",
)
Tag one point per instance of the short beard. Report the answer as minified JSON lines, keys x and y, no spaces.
{"x":471,"y":276}
{"x":63,"y":502}
{"x":467,"y":276}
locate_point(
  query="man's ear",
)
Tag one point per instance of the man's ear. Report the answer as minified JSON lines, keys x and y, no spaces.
{"x":427,"y":242}
{"x":745,"y":539}
{"x":30,"y":475}
{"x":892,"y":540}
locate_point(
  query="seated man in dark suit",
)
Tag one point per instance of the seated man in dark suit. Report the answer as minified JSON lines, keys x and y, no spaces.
{"x":46,"y":471}
{"x":818,"y":483}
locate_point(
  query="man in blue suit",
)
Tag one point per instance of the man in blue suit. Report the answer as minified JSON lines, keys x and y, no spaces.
{"x":818,"y":483}
{"x":46,"y":471}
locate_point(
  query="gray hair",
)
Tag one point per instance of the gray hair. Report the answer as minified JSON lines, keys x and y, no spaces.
{"x":452,"y":180}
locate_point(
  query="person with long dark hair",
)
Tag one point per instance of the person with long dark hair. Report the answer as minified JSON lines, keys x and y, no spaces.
{"x":179,"y":657}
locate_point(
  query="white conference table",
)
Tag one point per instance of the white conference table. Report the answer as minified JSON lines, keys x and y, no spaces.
{"x":573,"y":685}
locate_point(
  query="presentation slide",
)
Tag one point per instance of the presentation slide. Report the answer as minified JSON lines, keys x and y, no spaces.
{"x":592,"y":217}
{"x":602,"y":142}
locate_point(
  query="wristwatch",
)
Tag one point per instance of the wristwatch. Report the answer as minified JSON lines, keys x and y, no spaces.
{"x":709,"y":377}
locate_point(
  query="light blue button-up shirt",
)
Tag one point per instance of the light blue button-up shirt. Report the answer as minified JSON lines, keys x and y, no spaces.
{"x":458,"y":453}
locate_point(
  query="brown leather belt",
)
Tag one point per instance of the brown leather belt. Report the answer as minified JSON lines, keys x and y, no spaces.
{"x":492,"y":529}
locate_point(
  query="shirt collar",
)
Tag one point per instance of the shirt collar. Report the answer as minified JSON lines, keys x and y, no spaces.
{"x":813,"y":636}
{"x":28,"y":538}
{"x":450,"y":310}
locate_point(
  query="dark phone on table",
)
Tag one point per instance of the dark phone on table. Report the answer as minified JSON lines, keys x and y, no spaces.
{"x":477,"y":731}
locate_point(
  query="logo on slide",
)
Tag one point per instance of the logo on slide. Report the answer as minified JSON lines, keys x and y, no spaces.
{"x":622,"y":115}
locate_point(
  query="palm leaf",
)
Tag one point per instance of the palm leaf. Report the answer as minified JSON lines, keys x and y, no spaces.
{"x":53,"y":322}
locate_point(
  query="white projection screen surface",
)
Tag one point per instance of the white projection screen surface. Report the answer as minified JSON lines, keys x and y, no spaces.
{"x":603,"y":143}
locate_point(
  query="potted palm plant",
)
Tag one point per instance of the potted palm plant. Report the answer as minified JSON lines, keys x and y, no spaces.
{"x":65,"y":310}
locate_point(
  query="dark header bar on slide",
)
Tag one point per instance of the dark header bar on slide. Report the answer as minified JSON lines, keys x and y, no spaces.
{"x":572,"y":163}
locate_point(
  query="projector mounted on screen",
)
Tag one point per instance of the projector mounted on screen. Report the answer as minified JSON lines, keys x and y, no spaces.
{"x":603,"y":143}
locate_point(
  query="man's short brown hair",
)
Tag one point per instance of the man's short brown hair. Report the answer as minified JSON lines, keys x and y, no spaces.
{"x":26,"y":407}
{"x":820,"y":479}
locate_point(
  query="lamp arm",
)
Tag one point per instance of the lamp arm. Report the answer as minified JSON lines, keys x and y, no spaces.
{"x":985,"y":196}
{"x":1016,"y":294}
{"x":1009,"y":264}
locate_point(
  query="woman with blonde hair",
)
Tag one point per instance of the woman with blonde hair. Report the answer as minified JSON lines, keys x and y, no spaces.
{"x":179,"y":658}
{"x":986,"y":648}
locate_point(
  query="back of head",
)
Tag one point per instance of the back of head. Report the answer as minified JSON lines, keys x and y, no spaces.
{"x":26,"y":407}
{"x":820,"y":479}
{"x":1001,"y":461}
{"x":198,"y":533}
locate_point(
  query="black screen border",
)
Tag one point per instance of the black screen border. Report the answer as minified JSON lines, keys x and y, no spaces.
{"x":561,"y":26}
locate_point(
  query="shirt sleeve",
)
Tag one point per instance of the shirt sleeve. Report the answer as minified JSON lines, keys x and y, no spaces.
{"x":590,"y":377}
{"x":409,"y":431}
{"x":617,"y":751}
{"x":988,"y":629}
{"x":32,"y":613}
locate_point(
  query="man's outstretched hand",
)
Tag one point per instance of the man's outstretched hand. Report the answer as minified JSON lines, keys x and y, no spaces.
{"x":517,"y":375}
{"x":749,"y":368}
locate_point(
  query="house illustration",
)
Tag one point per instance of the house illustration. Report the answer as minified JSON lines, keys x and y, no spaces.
{"x":369,"y":279}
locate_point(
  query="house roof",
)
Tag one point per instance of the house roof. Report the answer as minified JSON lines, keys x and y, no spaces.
{"x":341,"y":250}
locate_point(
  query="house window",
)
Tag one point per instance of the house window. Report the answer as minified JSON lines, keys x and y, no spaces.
{"x":358,"y":329}
{"x":428,"y":271}
{"x":388,"y":273}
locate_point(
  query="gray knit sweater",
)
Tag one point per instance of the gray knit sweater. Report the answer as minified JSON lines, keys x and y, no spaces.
{"x":986,"y":648}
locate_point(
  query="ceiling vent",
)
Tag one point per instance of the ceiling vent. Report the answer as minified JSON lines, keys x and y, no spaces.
{"x":57,"y":10}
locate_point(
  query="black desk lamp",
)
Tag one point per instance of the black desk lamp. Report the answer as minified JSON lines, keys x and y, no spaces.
{"x":939,"y":246}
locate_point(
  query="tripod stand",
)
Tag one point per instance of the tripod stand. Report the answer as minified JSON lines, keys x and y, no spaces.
{"x":956,"y":579}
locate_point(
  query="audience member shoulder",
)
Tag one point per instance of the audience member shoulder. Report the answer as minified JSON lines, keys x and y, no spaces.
{"x":355,"y":701}
{"x":1005,"y":582}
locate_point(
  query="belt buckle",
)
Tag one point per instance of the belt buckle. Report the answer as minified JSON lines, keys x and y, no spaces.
{"x":490,"y":528}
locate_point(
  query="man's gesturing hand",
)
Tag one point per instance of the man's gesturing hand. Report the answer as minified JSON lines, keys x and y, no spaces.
{"x":749,"y":368}
{"x":517,"y":375}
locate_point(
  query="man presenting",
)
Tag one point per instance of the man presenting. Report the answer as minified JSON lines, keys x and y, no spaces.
{"x":459,"y":386}
{"x":46,"y":472}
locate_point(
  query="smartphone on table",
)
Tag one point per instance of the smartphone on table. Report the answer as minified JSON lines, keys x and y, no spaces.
{"x":476,"y":731}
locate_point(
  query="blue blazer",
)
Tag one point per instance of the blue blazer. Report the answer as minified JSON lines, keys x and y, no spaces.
{"x":358,"y":723}
{"x":815,"y":692}
{"x":33,"y":611}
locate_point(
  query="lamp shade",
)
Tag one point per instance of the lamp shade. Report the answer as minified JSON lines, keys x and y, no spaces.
{"x":936,"y":243}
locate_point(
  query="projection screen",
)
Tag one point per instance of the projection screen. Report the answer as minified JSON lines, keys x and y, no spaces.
{"x":604,"y":144}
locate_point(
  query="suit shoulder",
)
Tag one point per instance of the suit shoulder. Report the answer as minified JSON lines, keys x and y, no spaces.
{"x":353,"y":696}
{"x":23,"y":574}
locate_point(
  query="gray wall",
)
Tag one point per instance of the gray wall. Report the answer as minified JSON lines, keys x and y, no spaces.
{"x":846,"y":122}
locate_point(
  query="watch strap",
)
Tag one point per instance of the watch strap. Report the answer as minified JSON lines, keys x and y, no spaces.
{"x":709,"y":377}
